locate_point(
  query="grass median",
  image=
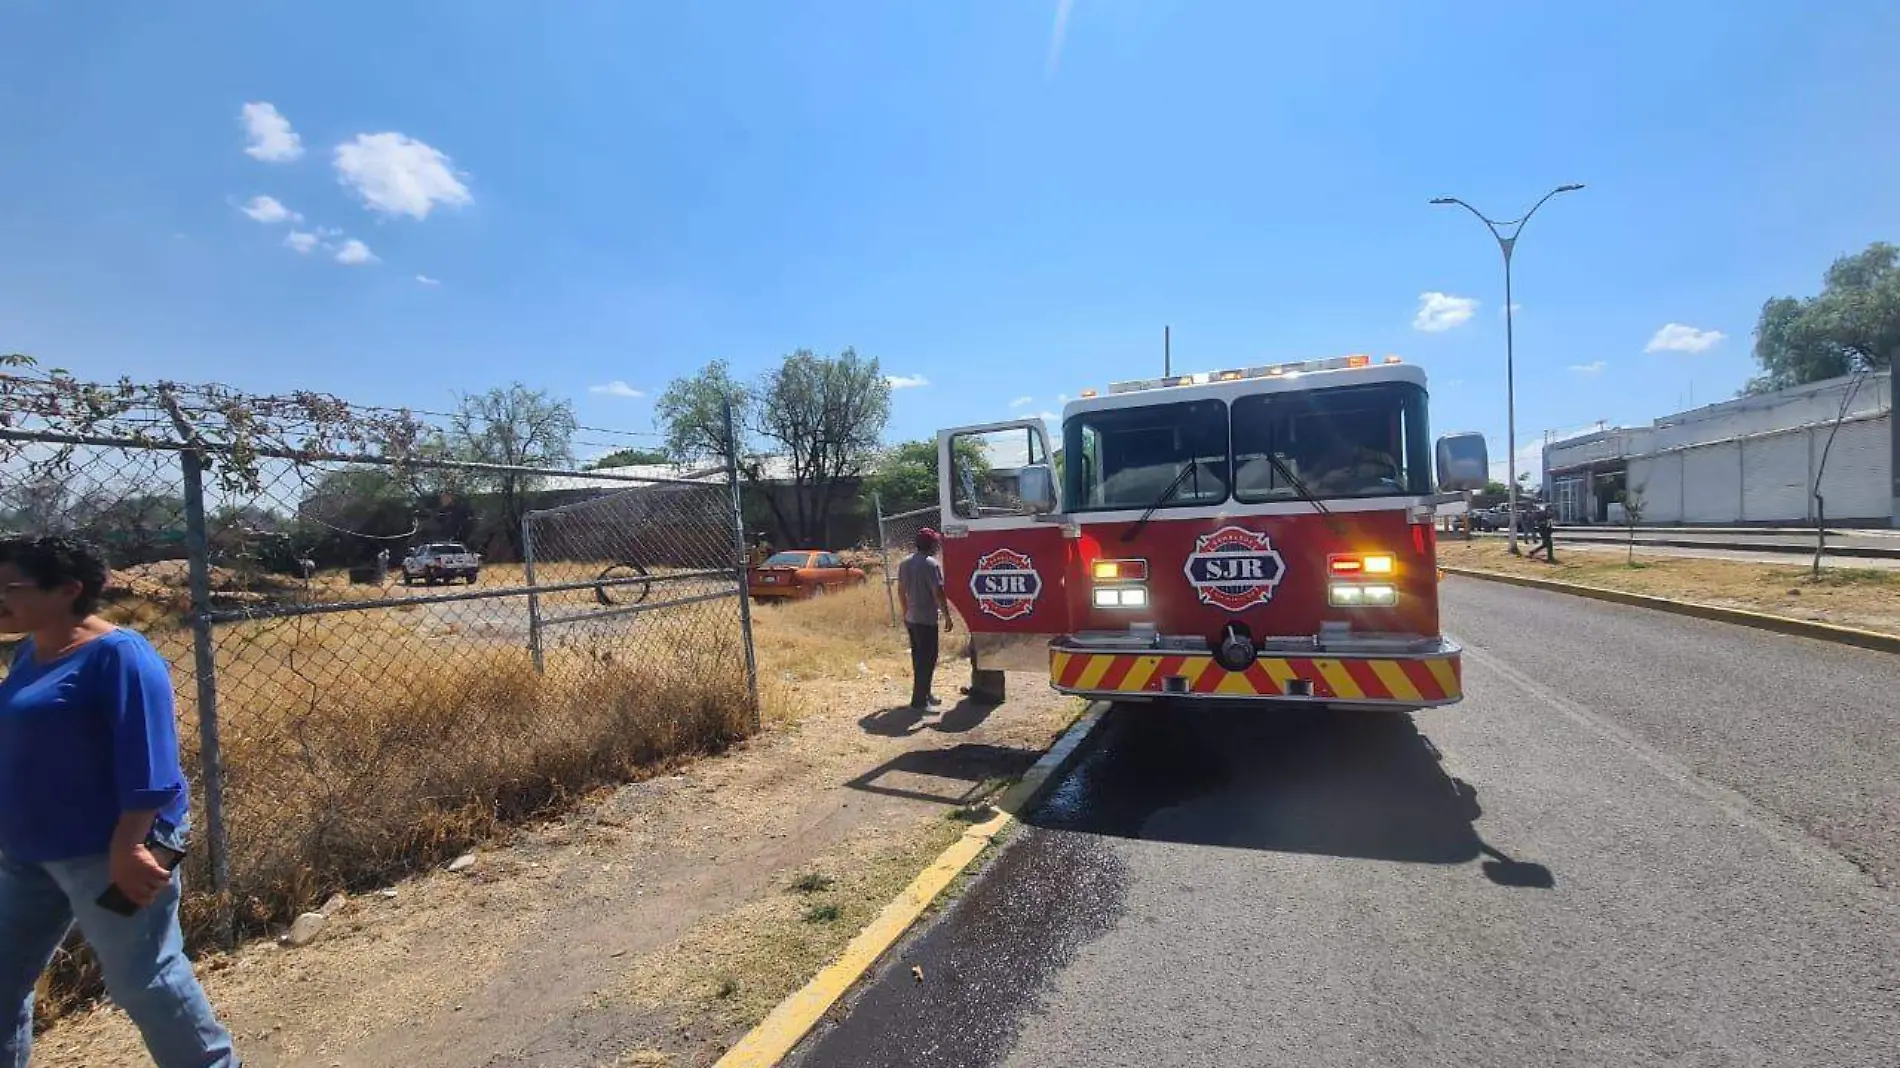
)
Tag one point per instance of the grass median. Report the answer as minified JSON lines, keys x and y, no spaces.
{"x":1865,"y":598}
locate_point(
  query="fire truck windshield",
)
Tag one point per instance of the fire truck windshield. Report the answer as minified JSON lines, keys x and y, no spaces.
{"x":1353,"y":441}
{"x":1348,"y":441}
{"x":1128,"y":457}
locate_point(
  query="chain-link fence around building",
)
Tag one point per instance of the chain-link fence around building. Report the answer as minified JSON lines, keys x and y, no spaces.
{"x":897,"y":538}
{"x":378,"y":658}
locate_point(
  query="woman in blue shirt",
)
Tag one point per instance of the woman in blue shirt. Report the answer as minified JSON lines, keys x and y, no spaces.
{"x":92,"y":807}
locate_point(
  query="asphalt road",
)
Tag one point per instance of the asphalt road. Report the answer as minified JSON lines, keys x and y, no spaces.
{"x":1640,"y":840}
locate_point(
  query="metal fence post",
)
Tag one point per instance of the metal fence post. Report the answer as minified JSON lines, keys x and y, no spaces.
{"x":884,"y":558}
{"x":740,"y":571}
{"x":534,"y":597}
{"x":205,"y":665}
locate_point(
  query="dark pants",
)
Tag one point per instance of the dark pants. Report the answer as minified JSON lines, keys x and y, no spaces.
{"x":923,"y":661}
{"x":1546,"y":544}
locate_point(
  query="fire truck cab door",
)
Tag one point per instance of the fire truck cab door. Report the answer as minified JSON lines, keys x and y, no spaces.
{"x":1005,"y":556}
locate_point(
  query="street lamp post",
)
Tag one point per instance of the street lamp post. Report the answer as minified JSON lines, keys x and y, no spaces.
{"x":1505,"y":245}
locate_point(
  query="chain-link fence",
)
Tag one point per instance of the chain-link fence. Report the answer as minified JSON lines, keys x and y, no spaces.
{"x":896,"y":538}
{"x":379,"y":658}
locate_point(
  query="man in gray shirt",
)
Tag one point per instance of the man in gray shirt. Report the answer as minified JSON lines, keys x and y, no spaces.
{"x":920,"y":591}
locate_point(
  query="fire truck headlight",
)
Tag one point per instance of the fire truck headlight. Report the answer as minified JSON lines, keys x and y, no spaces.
{"x":1121,"y":597}
{"x":1363,"y":594}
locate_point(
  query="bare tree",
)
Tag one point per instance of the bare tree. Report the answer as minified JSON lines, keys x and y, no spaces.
{"x":1632,"y":500}
{"x":1861,"y":370}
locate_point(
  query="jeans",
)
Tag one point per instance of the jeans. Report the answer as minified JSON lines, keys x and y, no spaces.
{"x":923,"y":661}
{"x":142,"y":956}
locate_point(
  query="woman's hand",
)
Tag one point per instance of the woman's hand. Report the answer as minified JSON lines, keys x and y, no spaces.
{"x":138,"y":875}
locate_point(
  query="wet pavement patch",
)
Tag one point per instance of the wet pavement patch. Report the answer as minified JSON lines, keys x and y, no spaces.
{"x":953,"y":996}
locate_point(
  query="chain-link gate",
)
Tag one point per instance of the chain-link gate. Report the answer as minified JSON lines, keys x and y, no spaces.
{"x":896,"y":538}
{"x":648,"y":568}
{"x":378,"y":651}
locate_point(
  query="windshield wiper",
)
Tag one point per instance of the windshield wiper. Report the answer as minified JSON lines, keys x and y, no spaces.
{"x":1129,"y":534}
{"x":1306,"y":492}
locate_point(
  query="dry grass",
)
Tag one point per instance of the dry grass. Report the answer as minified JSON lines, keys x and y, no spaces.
{"x":732,"y":970}
{"x":1856,"y":597}
{"x":362,"y":746}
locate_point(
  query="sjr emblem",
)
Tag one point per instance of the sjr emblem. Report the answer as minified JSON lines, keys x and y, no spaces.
{"x":1234,"y":568}
{"x":1005,"y":584}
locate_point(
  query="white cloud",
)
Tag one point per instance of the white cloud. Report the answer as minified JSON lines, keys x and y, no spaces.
{"x":300,"y":241}
{"x":1022,"y":402}
{"x":1062,"y":398}
{"x":1438,"y":312}
{"x":269,"y":210}
{"x":906,"y":381}
{"x":1676,"y":337}
{"x":1515,"y":308}
{"x":1048,"y":417}
{"x":1591,"y":368}
{"x":399,"y":175}
{"x":427,"y":281}
{"x":271,"y":138}
{"x":353,"y":252}
{"x":616,"y":388}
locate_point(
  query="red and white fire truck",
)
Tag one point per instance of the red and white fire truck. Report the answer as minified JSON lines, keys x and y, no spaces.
{"x":1263,"y":533}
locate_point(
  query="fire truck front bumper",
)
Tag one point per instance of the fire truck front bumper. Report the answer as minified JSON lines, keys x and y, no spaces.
{"x":1375,"y":673}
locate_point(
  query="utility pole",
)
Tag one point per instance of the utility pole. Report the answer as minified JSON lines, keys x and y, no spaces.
{"x":1167,"y":355}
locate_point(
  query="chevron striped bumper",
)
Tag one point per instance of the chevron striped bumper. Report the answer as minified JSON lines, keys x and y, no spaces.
{"x":1407,"y":681}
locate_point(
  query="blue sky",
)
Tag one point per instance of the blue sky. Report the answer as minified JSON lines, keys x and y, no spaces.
{"x":1004,"y":198}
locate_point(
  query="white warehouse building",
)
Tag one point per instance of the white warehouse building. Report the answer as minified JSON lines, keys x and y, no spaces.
{"x":1749,"y":461}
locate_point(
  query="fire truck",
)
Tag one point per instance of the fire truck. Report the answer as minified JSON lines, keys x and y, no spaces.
{"x":1259,"y":534}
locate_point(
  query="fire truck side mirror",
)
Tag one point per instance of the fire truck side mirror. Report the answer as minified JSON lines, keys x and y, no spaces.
{"x":1463,"y":462}
{"x":1036,"y":486}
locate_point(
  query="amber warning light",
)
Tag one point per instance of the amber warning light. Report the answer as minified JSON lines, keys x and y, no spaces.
{"x":1353,"y":564}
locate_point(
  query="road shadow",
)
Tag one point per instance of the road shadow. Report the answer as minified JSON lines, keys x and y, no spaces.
{"x":902,"y":721}
{"x":971,"y":772}
{"x":1348,"y":784}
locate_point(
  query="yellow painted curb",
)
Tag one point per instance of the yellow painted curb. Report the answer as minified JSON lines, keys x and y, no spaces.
{"x":1806,"y":628}
{"x":793,"y":1019}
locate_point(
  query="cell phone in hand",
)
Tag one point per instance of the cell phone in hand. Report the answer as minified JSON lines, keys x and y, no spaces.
{"x":114,"y":899}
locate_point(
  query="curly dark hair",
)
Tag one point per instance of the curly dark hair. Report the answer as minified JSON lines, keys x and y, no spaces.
{"x":50,"y":562}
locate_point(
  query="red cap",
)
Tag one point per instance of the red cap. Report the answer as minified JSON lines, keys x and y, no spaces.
{"x":929,"y":534}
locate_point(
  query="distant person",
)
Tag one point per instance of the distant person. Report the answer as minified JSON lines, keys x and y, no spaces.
{"x":92,"y":808}
{"x":920,"y":591}
{"x":761,"y":549}
{"x":1546,"y":536}
{"x":382,"y":565}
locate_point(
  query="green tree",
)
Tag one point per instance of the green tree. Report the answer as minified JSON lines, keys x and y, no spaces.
{"x":512,"y":427}
{"x":631,"y":458}
{"x":815,"y":419}
{"x":822,"y":416}
{"x":693,"y":413}
{"x":905,"y":475}
{"x":1853,"y":323}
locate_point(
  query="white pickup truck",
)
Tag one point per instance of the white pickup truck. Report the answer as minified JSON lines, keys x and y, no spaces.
{"x":441,"y":561}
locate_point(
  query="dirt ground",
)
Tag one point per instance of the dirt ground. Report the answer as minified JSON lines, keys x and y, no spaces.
{"x":652,"y":926}
{"x":1852,"y":597}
